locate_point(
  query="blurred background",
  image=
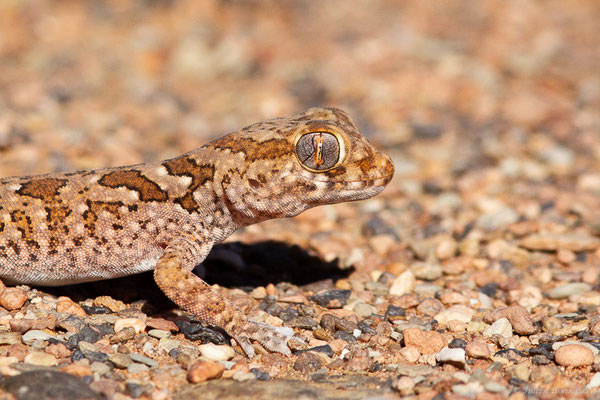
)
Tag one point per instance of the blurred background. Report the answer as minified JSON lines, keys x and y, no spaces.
{"x":448,"y":88}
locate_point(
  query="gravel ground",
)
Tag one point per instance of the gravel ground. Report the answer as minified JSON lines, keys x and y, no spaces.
{"x":475,"y":274}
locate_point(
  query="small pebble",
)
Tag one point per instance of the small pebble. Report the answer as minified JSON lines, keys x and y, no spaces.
{"x":10,"y":338}
{"x":243,"y":376}
{"x":553,"y":241}
{"x":201,"y":371}
{"x":213,"y":352}
{"x":454,"y":356}
{"x":446,"y":248}
{"x":41,"y":359}
{"x":574,"y":355}
{"x":403,"y":284}
{"x":364,"y":310}
{"x":136,"y":368}
{"x":138,"y":325}
{"x":478,"y":349}
{"x":335,"y":298}
{"x":426,"y":271}
{"x":143,"y":359}
{"x":77,"y":369}
{"x":456,"y":312}
{"x":518,"y":316}
{"x":162,"y":324}
{"x":120,"y":360}
{"x":409,"y":354}
{"x":430,"y":306}
{"x":99,"y":368}
{"x":125,"y":334}
{"x":68,"y":306}
{"x":159,"y":333}
{"x":427,"y":342}
{"x":568,"y":289}
{"x":33,"y":335}
{"x":12,"y":298}
{"x":501,"y":327}
{"x":110,"y":303}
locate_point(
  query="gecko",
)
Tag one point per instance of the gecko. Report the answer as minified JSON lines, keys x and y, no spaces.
{"x":72,"y":227}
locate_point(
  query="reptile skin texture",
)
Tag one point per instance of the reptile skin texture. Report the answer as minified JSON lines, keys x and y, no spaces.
{"x":82,"y":226}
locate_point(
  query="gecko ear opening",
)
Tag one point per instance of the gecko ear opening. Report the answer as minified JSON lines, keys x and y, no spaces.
{"x":318,"y":151}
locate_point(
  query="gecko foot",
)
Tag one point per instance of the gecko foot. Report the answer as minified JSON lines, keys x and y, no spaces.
{"x":272,"y":338}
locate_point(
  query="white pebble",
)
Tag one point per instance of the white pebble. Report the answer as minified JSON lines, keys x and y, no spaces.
{"x":403,"y":284}
{"x":455,"y":356}
{"x":215,"y":352}
{"x":501,"y":327}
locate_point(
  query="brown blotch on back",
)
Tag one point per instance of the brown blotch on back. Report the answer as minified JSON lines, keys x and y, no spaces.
{"x":24,"y":225}
{"x":42,"y":188}
{"x":56,"y":217}
{"x":134,"y":180}
{"x":200,"y":174}
{"x":91,"y":215}
{"x":254,"y":150}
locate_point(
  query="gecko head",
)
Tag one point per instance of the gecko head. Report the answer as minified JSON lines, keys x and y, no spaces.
{"x":313,"y":158}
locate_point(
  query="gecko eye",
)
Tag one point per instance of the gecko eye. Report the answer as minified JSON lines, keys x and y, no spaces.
{"x":318,"y":150}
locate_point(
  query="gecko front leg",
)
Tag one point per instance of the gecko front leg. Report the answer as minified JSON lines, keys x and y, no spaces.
{"x":173,"y":276}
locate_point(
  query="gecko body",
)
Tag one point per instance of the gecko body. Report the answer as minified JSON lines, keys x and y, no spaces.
{"x":65,"y":228}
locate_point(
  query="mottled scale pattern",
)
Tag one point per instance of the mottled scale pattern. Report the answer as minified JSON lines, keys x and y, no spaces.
{"x":88,"y":225}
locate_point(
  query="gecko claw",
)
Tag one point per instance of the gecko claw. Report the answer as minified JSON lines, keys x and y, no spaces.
{"x":272,"y":338}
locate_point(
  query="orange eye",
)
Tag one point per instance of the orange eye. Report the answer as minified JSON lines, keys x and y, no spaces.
{"x":318,"y":150}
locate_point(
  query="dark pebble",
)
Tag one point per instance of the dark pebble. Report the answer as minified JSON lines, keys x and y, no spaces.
{"x":345,"y":336}
{"x":47,"y":385}
{"x":134,"y":390}
{"x":104,"y":329}
{"x":544,"y":349}
{"x":71,"y":323}
{"x":427,"y":131}
{"x":376,"y":367}
{"x":509,"y":353}
{"x":90,"y":310}
{"x":489,"y":290}
{"x":197,"y":331}
{"x":56,"y":341}
{"x":260,"y":375}
{"x":123,"y":335}
{"x":302,"y":323}
{"x":77,"y":355}
{"x":308,"y":362}
{"x":393,"y":312}
{"x":289,"y":314}
{"x":376,"y":226}
{"x":540,"y":360}
{"x":73,"y":341}
{"x":335,"y":298}
{"x":96,"y":356}
{"x":457,"y":343}
{"x":89,"y":334}
{"x":516,"y":382}
{"x":271,"y":308}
